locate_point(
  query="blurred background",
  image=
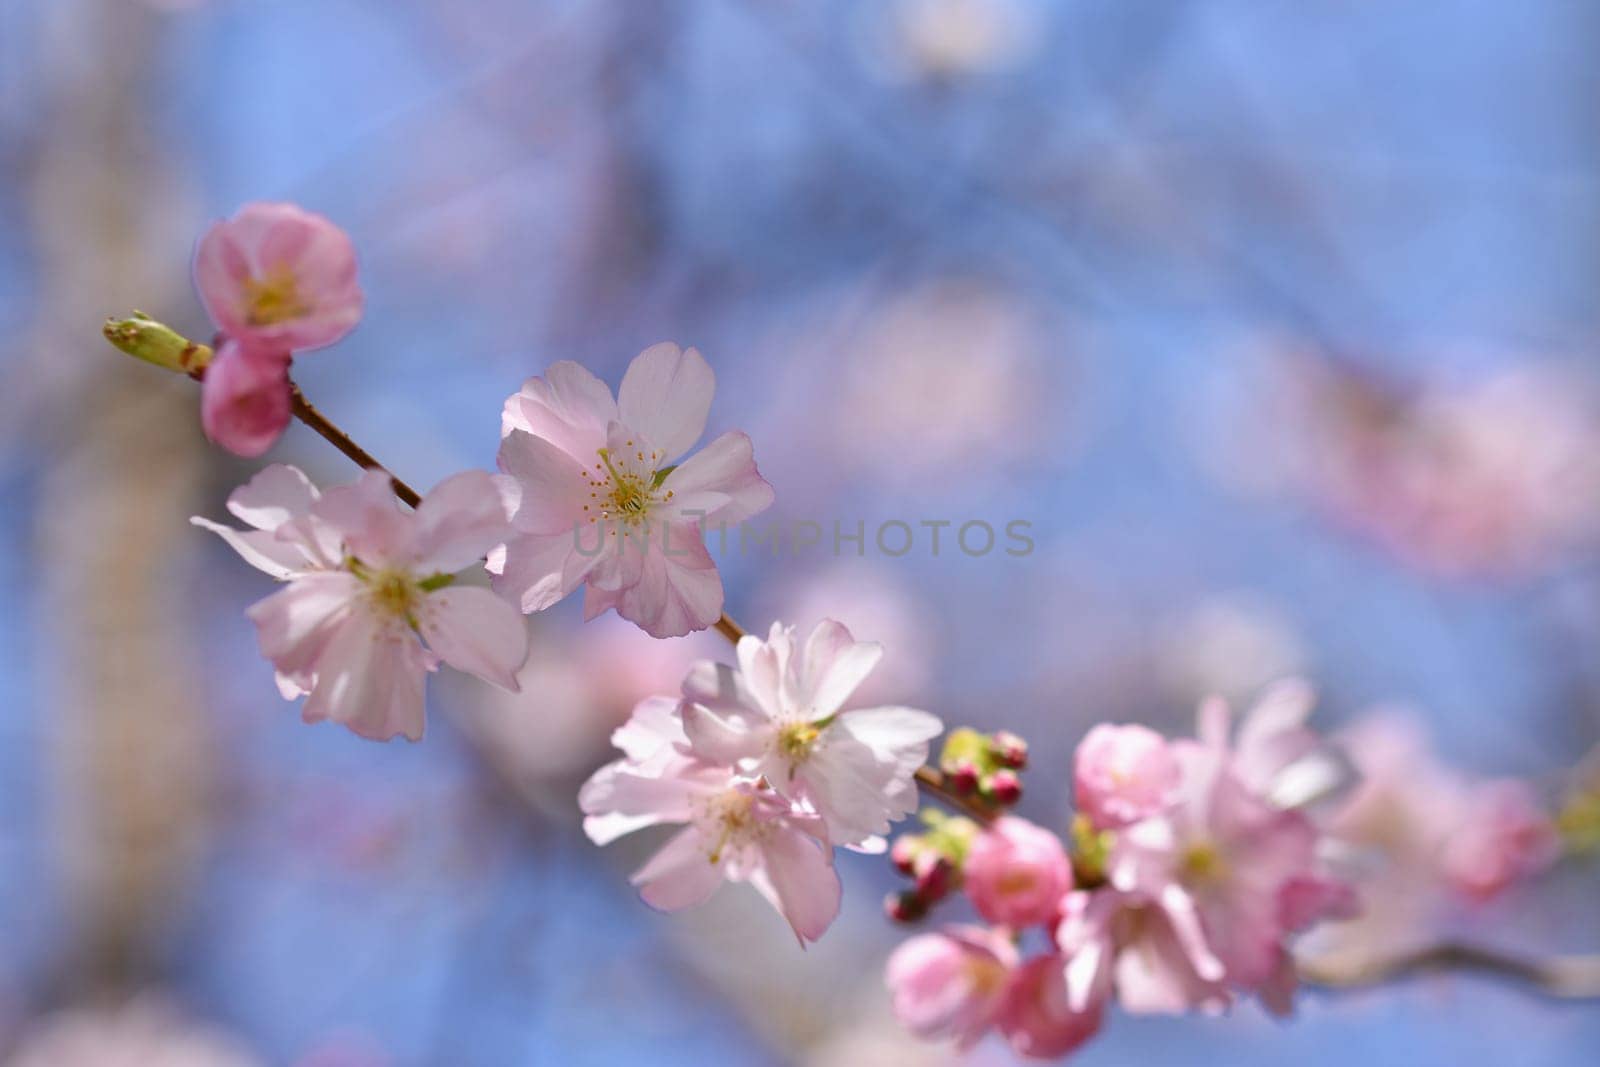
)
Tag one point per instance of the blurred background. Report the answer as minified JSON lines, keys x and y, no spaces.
{"x":1277,"y":322}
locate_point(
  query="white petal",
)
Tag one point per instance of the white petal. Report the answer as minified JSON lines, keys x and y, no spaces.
{"x":274,"y":496}
{"x":551,"y":486}
{"x":676,"y":593}
{"x":295,"y":624}
{"x":458,"y":522}
{"x":569,"y":407}
{"x":797,"y":877}
{"x":724,"y":738}
{"x":259,"y":548}
{"x":370,"y":678}
{"x":720,"y":483}
{"x":835,"y":664}
{"x":666,"y":395}
{"x":475,"y":631}
{"x":681,"y":875}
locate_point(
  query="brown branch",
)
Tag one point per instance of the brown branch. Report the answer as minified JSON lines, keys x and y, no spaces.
{"x":339,"y":439}
{"x":1558,"y":977}
{"x":729,"y":629}
{"x":933,"y":781}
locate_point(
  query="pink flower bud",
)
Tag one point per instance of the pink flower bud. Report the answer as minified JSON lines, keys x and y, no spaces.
{"x":935,"y":875}
{"x":244,"y":400}
{"x":1010,"y":750}
{"x":1005,"y":787}
{"x":905,"y":907}
{"x":964,"y":778}
{"x":1016,"y":873}
{"x":1123,"y":774}
{"x":904,"y":854}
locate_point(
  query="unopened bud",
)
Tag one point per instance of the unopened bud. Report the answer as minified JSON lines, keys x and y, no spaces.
{"x":154,"y":342}
{"x":1010,"y":750}
{"x":964,"y":778}
{"x":904,"y":854}
{"x":934,"y":879}
{"x":905,"y":907}
{"x":1005,"y":787}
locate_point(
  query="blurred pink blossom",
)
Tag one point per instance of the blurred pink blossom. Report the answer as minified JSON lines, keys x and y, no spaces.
{"x":1122,"y":774}
{"x":244,"y":398}
{"x":1038,"y":1017}
{"x":953,"y":983}
{"x":1016,"y":873}
{"x":276,"y":277}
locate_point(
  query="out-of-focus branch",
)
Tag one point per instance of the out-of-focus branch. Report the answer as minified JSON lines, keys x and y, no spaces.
{"x":1559,"y":977}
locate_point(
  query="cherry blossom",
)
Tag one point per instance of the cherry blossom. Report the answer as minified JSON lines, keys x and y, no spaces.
{"x":244,"y":399}
{"x":601,"y":498}
{"x":1123,"y":774}
{"x":780,"y":716}
{"x":367,"y":584}
{"x":735,"y":828}
{"x":1038,"y":1016}
{"x":278,"y":278}
{"x":951,"y":984}
{"x":1016,"y":873}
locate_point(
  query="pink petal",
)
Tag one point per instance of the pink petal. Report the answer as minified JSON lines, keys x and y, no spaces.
{"x":680,"y":875}
{"x":797,"y":878}
{"x":724,"y":738}
{"x":460,"y":520}
{"x":475,"y":631}
{"x":369,"y":518}
{"x":370,"y":678}
{"x":666,"y":396}
{"x":294,"y":625}
{"x":678,"y":590}
{"x":719,"y":485}
{"x":536,"y":571}
{"x":244,"y":399}
{"x":259,"y":548}
{"x":568,"y":407}
{"x":275,"y":495}
{"x":552,"y":486}
{"x":835,"y":664}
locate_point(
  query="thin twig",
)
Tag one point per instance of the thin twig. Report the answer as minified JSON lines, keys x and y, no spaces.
{"x":933,"y":781}
{"x":339,"y":439}
{"x":1559,"y":977}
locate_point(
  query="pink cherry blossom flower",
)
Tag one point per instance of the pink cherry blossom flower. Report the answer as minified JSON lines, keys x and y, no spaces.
{"x":367,"y":583}
{"x":951,"y":984}
{"x":1038,"y":1016}
{"x":244,"y":398}
{"x":601,"y":498}
{"x":779,"y":717}
{"x":1150,"y":952}
{"x":1016,"y":873}
{"x":1123,"y":774}
{"x":1503,"y":837}
{"x":735,"y":829}
{"x":1244,"y":867}
{"x":279,"y":278}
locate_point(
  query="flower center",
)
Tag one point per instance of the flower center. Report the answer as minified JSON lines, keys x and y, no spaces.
{"x":796,"y":738}
{"x":1203,"y":862}
{"x":273,"y":298}
{"x":623,"y":495}
{"x":394,"y":593}
{"x":731,"y":816}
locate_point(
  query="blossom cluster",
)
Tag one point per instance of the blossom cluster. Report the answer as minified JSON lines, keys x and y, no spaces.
{"x":1191,"y":865}
{"x":767,"y":771}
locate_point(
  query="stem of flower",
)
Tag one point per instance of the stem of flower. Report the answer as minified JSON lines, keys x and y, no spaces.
{"x":339,"y":439}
